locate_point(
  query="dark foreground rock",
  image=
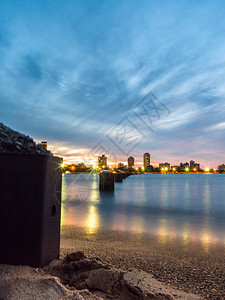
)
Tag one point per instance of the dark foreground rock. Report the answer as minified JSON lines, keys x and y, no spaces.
{"x":12,"y":141}
{"x":82,"y":278}
{"x":106,"y":282}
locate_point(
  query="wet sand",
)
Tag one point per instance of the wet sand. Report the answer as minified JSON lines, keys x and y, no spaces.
{"x":191,"y":266}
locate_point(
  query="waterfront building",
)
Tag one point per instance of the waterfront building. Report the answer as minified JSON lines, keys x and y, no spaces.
{"x":164,"y":166}
{"x":221,"y":168}
{"x":44,"y":144}
{"x":120,"y":165}
{"x":194,"y":166}
{"x":81,"y":165}
{"x":102,"y":161}
{"x":174,"y":169}
{"x":146,"y":160}
{"x":71,"y":168}
{"x":130,"y":162}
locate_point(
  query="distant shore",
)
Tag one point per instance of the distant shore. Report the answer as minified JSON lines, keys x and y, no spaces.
{"x":188,"y":267}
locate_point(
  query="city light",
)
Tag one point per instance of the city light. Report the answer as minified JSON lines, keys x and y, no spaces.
{"x":166,"y":169}
{"x":186,"y":169}
{"x":195,"y":169}
{"x":207,"y":169}
{"x":162,"y":169}
{"x":95,"y":166}
{"x":174,"y":169}
{"x":62,"y":165}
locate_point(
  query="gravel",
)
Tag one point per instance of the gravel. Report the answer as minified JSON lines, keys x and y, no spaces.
{"x":12,"y":141}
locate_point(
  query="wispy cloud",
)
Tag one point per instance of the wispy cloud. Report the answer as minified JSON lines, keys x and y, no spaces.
{"x":71,"y":71}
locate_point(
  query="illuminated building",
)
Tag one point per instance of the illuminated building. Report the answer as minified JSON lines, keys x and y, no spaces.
{"x":174,"y":168}
{"x":183,"y":167}
{"x":146,"y":160}
{"x":194,"y":166}
{"x":130,"y":162}
{"x":120,"y":165}
{"x":81,"y":165}
{"x":72,"y":168}
{"x":221,"y":168}
{"x":165,"y":166}
{"x":44,"y":144}
{"x":102,"y":161}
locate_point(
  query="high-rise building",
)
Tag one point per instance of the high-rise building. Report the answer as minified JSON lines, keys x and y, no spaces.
{"x":146,"y":160}
{"x":130,"y":162}
{"x":44,"y":144}
{"x":102,"y":161}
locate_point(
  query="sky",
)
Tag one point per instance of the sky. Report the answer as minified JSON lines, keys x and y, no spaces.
{"x":116,"y":77}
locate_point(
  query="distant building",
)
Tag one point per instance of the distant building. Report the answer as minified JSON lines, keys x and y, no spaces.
{"x":120,"y":165}
{"x":44,"y":144}
{"x":164,"y":165}
{"x":175,"y":168}
{"x":102,"y":161}
{"x":221,"y":168}
{"x":81,"y":165}
{"x":194,"y":166}
{"x":71,"y":168}
{"x":184,"y":166}
{"x":146,"y":160}
{"x":130,"y":162}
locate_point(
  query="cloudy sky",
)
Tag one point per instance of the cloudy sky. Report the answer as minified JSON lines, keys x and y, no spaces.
{"x":78,"y":74}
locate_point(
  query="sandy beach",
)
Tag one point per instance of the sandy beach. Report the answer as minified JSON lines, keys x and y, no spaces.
{"x":191,"y":266}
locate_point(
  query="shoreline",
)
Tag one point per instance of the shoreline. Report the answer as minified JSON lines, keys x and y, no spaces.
{"x":186,"y":267}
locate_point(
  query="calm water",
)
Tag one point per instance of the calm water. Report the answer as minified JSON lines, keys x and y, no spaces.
{"x":191,"y":207}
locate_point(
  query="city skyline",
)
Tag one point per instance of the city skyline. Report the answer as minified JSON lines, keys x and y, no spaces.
{"x":188,"y":165}
{"x":73,"y":72}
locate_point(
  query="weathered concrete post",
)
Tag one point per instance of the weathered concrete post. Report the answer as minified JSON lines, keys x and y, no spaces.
{"x":118,"y":177}
{"x":30,"y":207}
{"x":123,"y":175}
{"x":106,"y":181}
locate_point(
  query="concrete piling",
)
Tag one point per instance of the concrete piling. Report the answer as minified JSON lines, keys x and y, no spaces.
{"x":30,"y":208}
{"x":106,"y":181}
{"x":118,"y":177}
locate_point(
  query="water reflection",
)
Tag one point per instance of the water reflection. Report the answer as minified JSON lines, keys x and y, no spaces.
{"x":92,"y":222}
{"x":168,"y":206}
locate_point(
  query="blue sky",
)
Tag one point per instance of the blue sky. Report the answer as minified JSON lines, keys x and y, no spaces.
{"x":71,"y":71}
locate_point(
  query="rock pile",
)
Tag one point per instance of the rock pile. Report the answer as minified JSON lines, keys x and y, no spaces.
{"x":106,"y":282}
{"x":14,"y":142}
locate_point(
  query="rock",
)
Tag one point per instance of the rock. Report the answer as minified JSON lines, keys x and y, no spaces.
{"x":12,"y":141}
{"x":146,"y":287}
{"x":103,"y":280}
{"x":75,"y":256}
{"x":24,"y":283}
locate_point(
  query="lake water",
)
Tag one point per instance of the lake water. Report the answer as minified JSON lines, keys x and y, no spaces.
{"x":188,"y":206}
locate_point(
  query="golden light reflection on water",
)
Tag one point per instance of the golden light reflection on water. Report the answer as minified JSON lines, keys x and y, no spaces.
{"x":185,"y":234}
{"x":92,"y":221}
{"x":206,"y":241}
{"x":122,"y":222}
{"x":163,"y":233}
